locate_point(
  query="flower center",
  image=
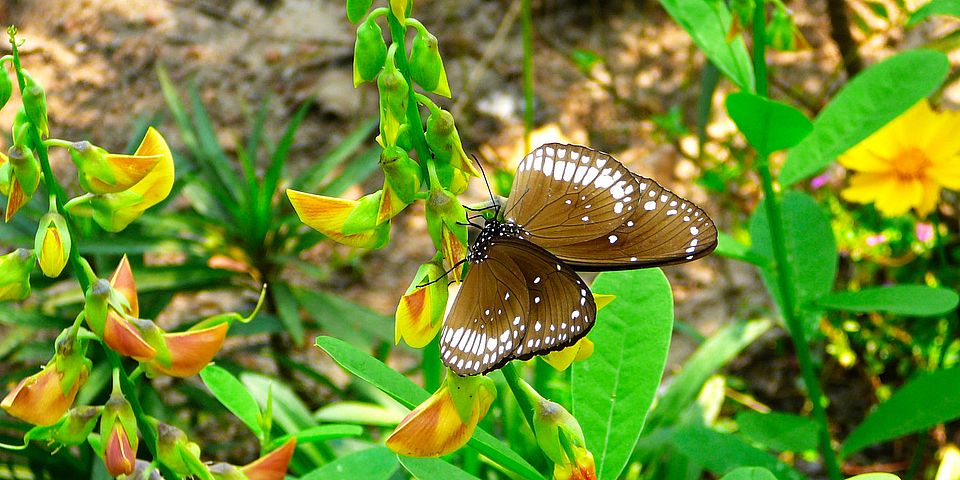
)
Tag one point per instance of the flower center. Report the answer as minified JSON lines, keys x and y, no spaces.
{"x":910,"y":164}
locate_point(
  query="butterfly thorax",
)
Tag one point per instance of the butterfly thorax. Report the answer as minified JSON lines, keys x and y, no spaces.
{"x":492,"y":231}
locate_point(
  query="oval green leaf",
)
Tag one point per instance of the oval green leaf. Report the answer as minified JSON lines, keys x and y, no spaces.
{"x":708,"y":24}
{"x":410,"y":394}
{"x":614,"y":387}
{"x":782,"y":432}
{"x":357,"y":9}
{"x":721,"y":453}
{"x":768,"y":125}
{"x":811,"y":249}
{"x":920,"y":404}
{"x":749,"y":473}
{"x":873,"y":98}
{"x":377,"y":463}
{"x":433,"y":468}
{"x":936,"y":7}
{"x":912,"y":300}
{"x":233,"y":395}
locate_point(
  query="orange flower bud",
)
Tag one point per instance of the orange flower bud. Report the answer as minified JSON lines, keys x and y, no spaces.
{"x":119,"y":454}
{"x":118,"y":425}
{"x":421,"y":309}
{"x":582,"y":468}
{"x":189,"y":351}
{"x":41,"y":398}
{"x":272,"y":466}
{"x":437,"y":426}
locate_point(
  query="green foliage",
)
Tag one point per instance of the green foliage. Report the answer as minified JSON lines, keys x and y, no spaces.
{"x":768,"y":125}
{"x":934,"y":7}
{"x":722,"y":453}
{"x":911,"y":300}
{"x":611,"y":390}
{"x":868,"y":102}
{"x":779,"y":431}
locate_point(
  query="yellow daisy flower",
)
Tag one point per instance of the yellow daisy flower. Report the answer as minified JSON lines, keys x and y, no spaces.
{"x":906,"y":163}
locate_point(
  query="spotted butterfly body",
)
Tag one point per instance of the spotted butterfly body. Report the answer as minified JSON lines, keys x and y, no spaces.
{"x":571,"y":208}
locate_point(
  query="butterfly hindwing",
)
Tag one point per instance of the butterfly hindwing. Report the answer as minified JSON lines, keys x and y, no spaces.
{"x":516,"y":301}
{"x":602,"y":216}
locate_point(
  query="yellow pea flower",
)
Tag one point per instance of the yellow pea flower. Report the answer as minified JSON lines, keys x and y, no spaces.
{"x":905,"y":164}
{"x":328,"y":215}
{"x":562,"y":359}
{"x":421,"y":309}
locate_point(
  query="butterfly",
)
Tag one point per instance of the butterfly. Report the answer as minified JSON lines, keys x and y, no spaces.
{"x":571,"y":208}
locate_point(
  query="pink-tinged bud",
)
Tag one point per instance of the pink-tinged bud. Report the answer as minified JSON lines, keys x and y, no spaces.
{"x":443,"y":424}
{"x":189,"y":351}
{"x":328,"y":215}
{"x":118,"y":425}
{"x":272,"y":466}
{"x":15,"y":268}
{"x":100,"y":171}
{"x":52,"y":244}
{"x":420,"y":312}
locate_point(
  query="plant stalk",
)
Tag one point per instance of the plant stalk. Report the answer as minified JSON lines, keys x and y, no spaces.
{"x":513,"y":380}
{"x":784,"y":276}
{"x":527,"y":26}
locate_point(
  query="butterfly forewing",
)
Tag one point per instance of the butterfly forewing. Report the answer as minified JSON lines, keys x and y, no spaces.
{"x":604,"y":217}
{"x":517,"y":301}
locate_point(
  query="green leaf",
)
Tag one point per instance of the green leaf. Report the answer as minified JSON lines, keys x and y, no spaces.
{"x":289,"y":412}
{"x":319,"y":434}
{"x":233,"y":395}
{"x":871,"y":100}
{"x":875,"y":476}
{"x":782,"y":432}
{"x":749,"y":473}
{"x":912,"y":300}
{"x":344,"y":319}
{"x":920,"y":404}
{"x":708,"y":23}
{"x":729,"y":247}
{"x":433,"y":468}
{"x":410,"y":395}
{"x":721,"y":452}
{"x":936,"y":7}
{"x":768,"y":125}
{"x":811,"y":249}
{"x":288,"y":310}
{"x":613,"y":388}
{"x":377,"y":463}
{"x":359,"y":412}
{"x":357,"y":9}
{"x":719,"y":349}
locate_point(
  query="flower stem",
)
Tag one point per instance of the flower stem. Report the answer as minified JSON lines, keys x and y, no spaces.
{"x":513,"y":381}
{"x":414,"y":122}
{"x":784,"y":275}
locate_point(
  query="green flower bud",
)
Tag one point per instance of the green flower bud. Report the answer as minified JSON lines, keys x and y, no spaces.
{"x":444,"y":211}
{"x":26,"y":168}
{"x":369,"y":52}
{"x":444,"y":142}
{"x":21,"y":125}
{"x":171,"y":444}
{"x":35,"y":103}
{"x":15,"y":268}
{"x":356,"y":9}
{"x":783,"y":32}
{"x":72,"y":429}
{"x":426,"y":66}
{"x":364,"y":215}
{"x":394,"y":95}
{"x":95,"y":305}
{"x":52,"y":244}
{"x":6,"y":86}
{"x":6,"y":175}
{"x":401,"y":172}
{"x":401,"y":8}
{"x":464,"y":391}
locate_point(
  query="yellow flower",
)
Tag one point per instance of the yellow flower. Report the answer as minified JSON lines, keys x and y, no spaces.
{"x":330,"y":216}
{"x":906,"y":163}
{"x":421,"y":309}
{"x":445,"y":421}
{"x":562,"y":359}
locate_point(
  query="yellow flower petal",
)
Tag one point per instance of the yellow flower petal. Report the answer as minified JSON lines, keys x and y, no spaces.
{"x":562,"y":359}
{"x":327,"y":216}
{"x":435,"y":428}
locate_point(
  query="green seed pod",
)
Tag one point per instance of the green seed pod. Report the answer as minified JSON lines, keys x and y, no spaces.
{"x":426,"y":66}
{"x":401,"y":172}
{"x":35,"y":103}
{"x":26,"y":168}
{"x":6,"y":86}
{"x":369,"y":52}
{"x":394,"y":95}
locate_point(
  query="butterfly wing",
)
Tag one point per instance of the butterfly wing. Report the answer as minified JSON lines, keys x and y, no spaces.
{"x":519,"y":302}
{"x":592,"y":212}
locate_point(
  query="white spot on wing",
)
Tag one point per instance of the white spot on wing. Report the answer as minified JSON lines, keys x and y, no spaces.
{"x":651,"y":205}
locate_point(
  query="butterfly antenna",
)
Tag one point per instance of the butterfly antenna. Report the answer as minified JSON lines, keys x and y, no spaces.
{"x":487,"y":183}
